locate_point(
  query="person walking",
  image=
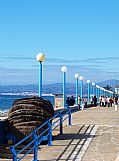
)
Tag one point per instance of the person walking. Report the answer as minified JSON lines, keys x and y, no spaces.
{"x":95,"y":100}
{"x":116,"y":103}
{"x":108,"y":101}
{"x":79,"y":101}
{"x":116,"y":100}
{"x":103,"y":101}
{"x":111,"y":101}
{"x":100,"y":100}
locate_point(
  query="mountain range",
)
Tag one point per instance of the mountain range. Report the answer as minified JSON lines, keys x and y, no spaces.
{"x":55,"y":88}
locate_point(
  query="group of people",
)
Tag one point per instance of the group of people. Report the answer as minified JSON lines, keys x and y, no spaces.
{"x":106,"y":101}
{"x":71,"y":101}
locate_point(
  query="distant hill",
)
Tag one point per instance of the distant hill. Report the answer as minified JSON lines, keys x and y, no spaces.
{"x":111,"y":82}
{"x":55,"y":88}
{"x":18,"y":88}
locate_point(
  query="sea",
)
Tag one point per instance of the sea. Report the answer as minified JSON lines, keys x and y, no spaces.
{"x":6,"y":101}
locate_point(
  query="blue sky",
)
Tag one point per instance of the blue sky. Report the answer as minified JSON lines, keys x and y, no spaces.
{"x":81,"y":34}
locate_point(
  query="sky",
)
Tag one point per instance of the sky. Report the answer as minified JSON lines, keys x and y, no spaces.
{"x":81,"y":34}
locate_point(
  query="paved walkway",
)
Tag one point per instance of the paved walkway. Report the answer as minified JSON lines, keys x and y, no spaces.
{"x":93,"y":136}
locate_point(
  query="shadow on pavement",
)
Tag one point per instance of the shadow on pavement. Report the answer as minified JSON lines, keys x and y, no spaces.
{"x":73,"y":136}
{"x":78,"y":136}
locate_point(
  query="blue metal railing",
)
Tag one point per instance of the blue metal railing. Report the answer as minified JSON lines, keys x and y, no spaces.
{"x":37,"y":138}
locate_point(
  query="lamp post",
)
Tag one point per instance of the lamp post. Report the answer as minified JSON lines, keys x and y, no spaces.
{"x":97,"y":92}
{"x":81,"y":89}
{"x":105,"y":93}
{"x":88,"y":82}
{"x":110,"y":94}
{"x":40,"y":58}
{"x":93,"y":89}
{"x":101,"y":91}
{"x":76,"y":76}
{"x":64,"y":70}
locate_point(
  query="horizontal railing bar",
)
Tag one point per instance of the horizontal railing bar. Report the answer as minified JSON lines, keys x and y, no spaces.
{"x":43,"y":132}
{"x":55,"y":127}
{"x":22,"y":140}
{"x":55,"y":122}
{"x":47,"y":134}
{"x":65,"y":118}
{"x":26,"y":146}
{"x":26,"y":153}
{"x":41,"y":126}
{"x":54,"y":116}
{"x":66,"y":112}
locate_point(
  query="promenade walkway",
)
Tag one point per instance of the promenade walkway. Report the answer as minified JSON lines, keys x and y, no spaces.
{"x":93,"y":136}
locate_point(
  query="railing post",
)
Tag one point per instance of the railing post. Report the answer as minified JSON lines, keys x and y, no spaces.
{"x":69,"y":117}
{"x":69,"y":109}
{"x":49,"y":133}
{"x":35,"y":146}
{"x":61,"y":124}
{"x":14,"y":154}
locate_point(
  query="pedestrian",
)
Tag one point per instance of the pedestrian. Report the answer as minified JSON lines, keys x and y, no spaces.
{"x":116,"y":100}
{"x":103,"y":101}
{"x":108,"y":101}
{"x":100,"y":100}
{"x":91,"y":100}
{"x":111,"y":101}
{"x":79,"y":101}
{"x":116,"y":103}
{"x":95,"y":100}
{"x":70,"y":101}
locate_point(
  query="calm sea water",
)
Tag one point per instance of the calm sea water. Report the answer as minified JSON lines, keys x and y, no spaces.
{"x":7,"y":100}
